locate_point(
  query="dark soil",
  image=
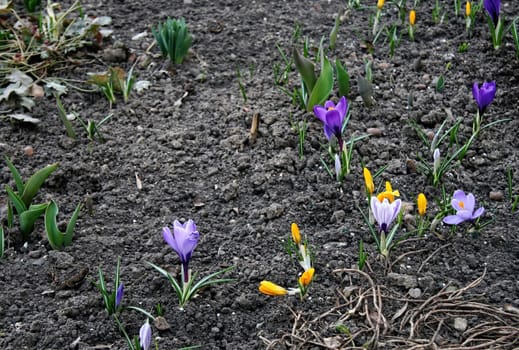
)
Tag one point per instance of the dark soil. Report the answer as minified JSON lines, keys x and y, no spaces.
{"x":195,"y":161}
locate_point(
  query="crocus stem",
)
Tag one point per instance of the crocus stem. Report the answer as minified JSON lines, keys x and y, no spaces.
{"x":185,"y":272}
{"x":123,"y":331}
{"x":341,"y":144}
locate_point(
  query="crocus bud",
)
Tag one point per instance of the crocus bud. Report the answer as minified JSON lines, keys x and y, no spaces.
{"x":145,"y":336}
{"x":119,"y":295}
{"x":412,"y":17}
{"x":370,"y":187}
{"x":270,"y":288}
{"x":467,"y":9}
{"x":338,"y":167}
{"x":422,"y":204}
{"x":436,"y":161}
{"x":307,"y":277}
{"x":380,"y":4}
{"x":296,"y":236}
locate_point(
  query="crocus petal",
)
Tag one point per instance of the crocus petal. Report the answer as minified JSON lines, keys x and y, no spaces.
{"x":478,"y":213}
{"x":145,"y":336}
{"x":328,"y":132}
{"x":320,"y":113}
{"x":453,"y":220}
{"x":168,"y":237}
{"x":334,"y":122}
{"x":475,"y":92}
{"x":458,"y":200}
{"x":342,"y":107}
{"x":329,"y":105}
{"x":470,"y":203}
{"x":487,"y":93}
{"x":492,"y":7}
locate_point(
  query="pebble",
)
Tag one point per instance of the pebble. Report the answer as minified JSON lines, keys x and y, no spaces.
{"x":460,"y":324}
{"x":338,"y":216}
{"x":415,"y":293}
{"x":375,"y":131}
{"x":496,"y":195}
{"x":28,"y":150}
{"x":402,"y":280}
{"x":34,"y":254}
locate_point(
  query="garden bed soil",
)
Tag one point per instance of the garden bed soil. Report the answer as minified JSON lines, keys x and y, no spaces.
{"x":187,"y":141}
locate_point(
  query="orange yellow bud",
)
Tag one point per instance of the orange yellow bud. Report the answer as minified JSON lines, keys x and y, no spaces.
{"x":270,"y":288}
{"x":422,"y":204}
{"x":412,"y":17}
{"x":467,"y":9}
{"x":307,"y":277}
{"x":296,"y":236}
{"x":370,"y":187}
{"x":380,"y":4}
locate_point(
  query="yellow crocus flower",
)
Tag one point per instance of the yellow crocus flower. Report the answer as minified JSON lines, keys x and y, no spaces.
{"x":422,"y":204}
{"x":467,"y":9}
{"x":307,"y":277}
{"x":370,"y":187}
{"x":270,"y":288}
{"x":296,"y":236}
{"x":388,"y":193}
{"x":380,"y":4}
{"x":412,"y":17}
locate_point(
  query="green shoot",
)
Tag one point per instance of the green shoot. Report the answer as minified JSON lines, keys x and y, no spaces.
{"x":63,"y":115}
{"x":335,"y":30}
{"x":92,"y":128}
{"x":363,"y":256}
{"x":241,"y":85}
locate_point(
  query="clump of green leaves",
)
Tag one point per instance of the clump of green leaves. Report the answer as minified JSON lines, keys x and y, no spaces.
{"x":28,"y":213}
{"x":57,"y":239}
{"x":21,"y":199}
{"x":173,"y":38}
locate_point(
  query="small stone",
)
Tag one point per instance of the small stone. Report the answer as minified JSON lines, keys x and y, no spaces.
{"x":460,"y":324}
{"x":430,"y":135}
{"x":402,"y":280}
{"x":338,"y":216}
{"x":415,"y":293}
{"x":375,"y":131}
{"x":410,"y":219}
{"x":34,"y":254}
{"x":496,"y":195}
{"x":275,"y":210}
{"x":161,"y":324}
{"x":28,"y":150}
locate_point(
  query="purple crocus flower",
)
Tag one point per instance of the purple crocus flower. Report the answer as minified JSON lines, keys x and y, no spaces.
{"x":484,"y":95}
{"x":332,"y":117}
{"x":119,"y":295}
{"x":384,"y":212}
{"x":464,"y":205}
{"x":183,"y":241}
{"x":492,"y":7}
{"x":145,"y":336}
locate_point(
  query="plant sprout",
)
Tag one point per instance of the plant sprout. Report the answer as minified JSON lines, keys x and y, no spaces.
{"x":183,"y":241}
{"x":173,"y":38}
